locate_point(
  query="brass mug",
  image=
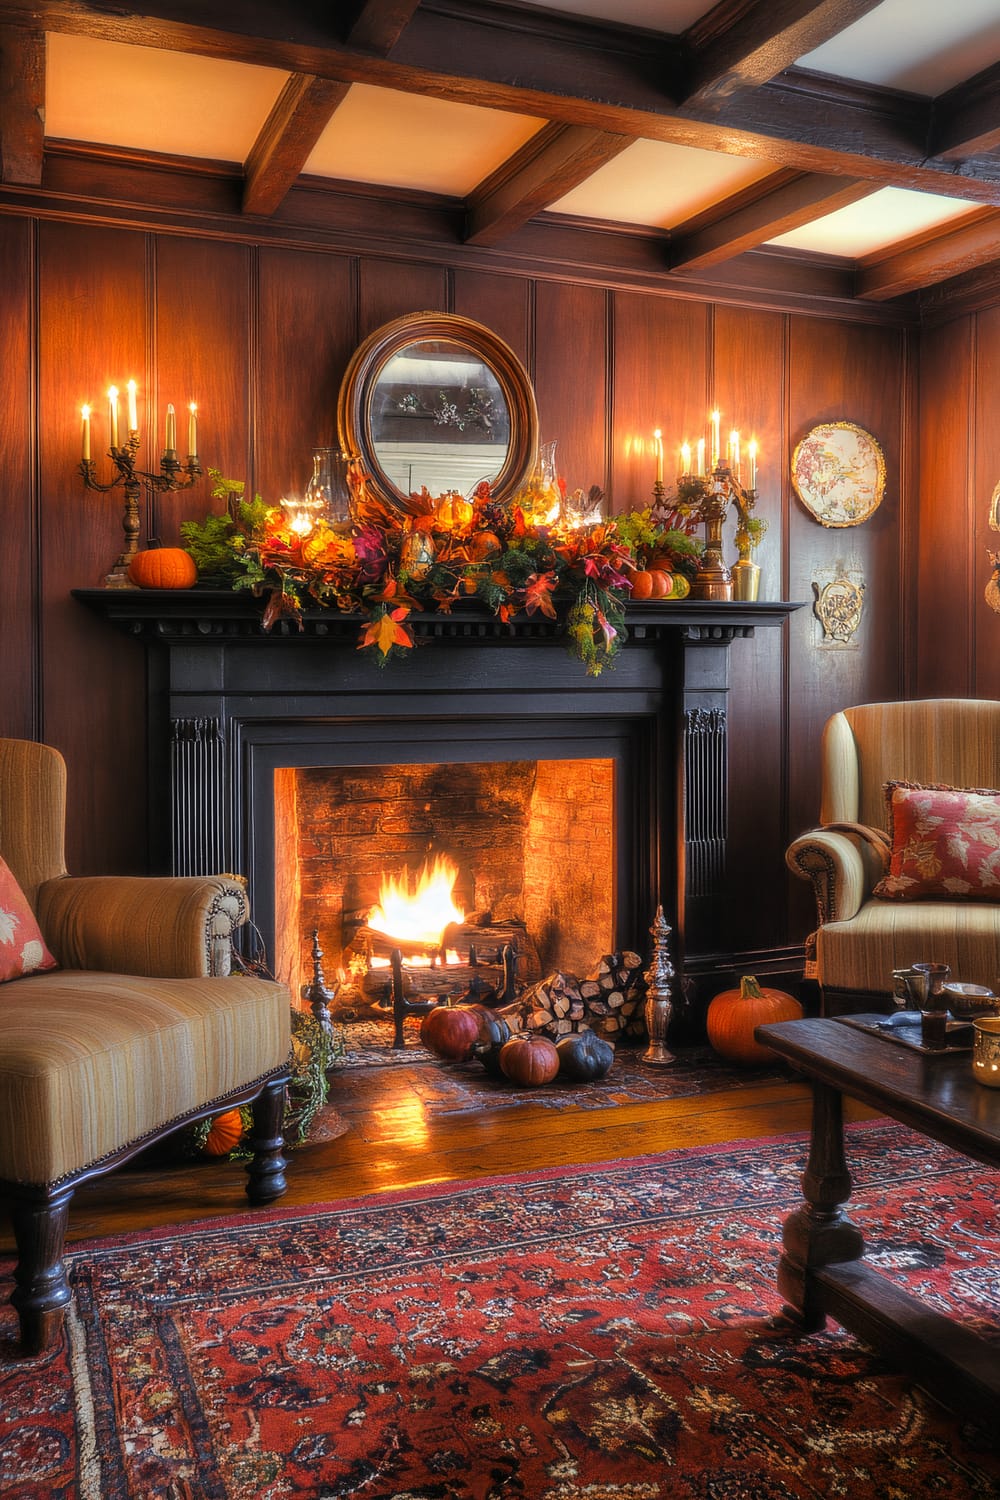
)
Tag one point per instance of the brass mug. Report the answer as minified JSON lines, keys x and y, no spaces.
{"x":986,"y":1051}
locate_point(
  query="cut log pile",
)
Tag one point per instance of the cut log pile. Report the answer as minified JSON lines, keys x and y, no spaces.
{"x":608,"y":1001}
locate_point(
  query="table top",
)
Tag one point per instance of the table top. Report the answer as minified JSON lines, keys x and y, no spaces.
{"x":934,"y":1093}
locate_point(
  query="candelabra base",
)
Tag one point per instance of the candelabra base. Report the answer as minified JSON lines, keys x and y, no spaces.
{"x":118,"y":577}
{"x":711,"y":588}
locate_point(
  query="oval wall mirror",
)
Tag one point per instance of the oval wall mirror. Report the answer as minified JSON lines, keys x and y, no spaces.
{"x":438,"y":402}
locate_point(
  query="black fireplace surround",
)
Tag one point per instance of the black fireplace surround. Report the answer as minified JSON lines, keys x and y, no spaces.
{"x":229,"y":704}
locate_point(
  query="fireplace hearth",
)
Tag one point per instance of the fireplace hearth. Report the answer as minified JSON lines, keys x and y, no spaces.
{"x":254,"y":734}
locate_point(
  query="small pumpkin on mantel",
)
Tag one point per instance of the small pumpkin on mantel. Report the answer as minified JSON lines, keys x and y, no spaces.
{"x":163,"y":568}
{"x":733,"y":1015}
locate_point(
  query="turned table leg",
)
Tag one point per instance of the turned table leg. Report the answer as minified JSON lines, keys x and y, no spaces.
{"x":266,"y":1167}
{"x":819,"y":1233}
{"x":41,"y":1290}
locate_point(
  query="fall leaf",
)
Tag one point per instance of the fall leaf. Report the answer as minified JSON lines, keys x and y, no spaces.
{"x":280,"y":606}
{"x":387,"y":631}
{"x":538,"y":594}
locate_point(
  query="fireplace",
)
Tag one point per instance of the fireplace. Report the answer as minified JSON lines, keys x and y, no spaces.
{"x":254,"y":735}
{"x":530,"y":845}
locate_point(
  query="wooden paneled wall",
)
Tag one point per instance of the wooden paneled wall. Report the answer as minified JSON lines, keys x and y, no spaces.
{"x":956,"y":631}
{"x":259,"y":335}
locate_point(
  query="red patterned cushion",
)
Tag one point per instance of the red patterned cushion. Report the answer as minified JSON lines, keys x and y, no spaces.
{"x":22,"y":947}
{"x":945,"y":843}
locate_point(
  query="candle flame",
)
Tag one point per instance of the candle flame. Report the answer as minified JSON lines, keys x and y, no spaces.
{"x":85,"y":412}
{"x":192,"y":407}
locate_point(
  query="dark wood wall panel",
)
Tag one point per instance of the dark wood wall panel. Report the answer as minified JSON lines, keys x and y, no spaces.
{"x":392,"y":288}
{"x":571,"y":379}
{"x":660,"y":363}
{"x":852,"y":375}
{"x":503,"y":303}
{"x":307,"y":321}
{"x":202,"y":322}
{"x":92,"y":333}
{"x":20,"y":704}
{"x":944,"y":607}
{"x":749,"y":364}
{"x":986,"y":477}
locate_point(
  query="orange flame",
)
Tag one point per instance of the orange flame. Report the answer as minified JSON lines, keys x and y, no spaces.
{"x":420,"y":907}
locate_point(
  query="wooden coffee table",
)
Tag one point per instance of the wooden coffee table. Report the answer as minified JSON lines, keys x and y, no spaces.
{"x":821,"y":1272}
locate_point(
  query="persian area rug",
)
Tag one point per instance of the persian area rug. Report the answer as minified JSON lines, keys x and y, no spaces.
{"x":597,"y":1333}
{"x":451,"y":1088}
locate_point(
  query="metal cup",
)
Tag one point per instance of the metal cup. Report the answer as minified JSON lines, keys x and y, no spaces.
{"x":928,"y":981}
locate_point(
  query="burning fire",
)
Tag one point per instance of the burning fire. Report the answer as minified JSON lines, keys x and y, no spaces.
{"x":418,"y":908}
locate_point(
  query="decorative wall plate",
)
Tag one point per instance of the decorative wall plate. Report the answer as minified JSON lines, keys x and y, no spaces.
{"x":838,"y":471}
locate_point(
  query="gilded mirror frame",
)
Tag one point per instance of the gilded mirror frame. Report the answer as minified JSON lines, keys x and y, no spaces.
{"x":357,"y":390}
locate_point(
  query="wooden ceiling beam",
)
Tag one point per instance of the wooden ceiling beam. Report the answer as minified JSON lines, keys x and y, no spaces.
{"x":966,"y":120}
{"x":974,"y":244}
{"x":305,"y":107}
{"x":301,"y":113}
{"x":779,"y":206}
{"x":22,"y":105}
{"x":553,"y":162}
{"x":739,"y":46}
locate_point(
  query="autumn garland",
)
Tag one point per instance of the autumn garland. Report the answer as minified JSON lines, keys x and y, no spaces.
{"x":446,"y":550}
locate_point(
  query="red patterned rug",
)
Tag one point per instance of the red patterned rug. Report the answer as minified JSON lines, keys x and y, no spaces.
{"x":596,"y":1333}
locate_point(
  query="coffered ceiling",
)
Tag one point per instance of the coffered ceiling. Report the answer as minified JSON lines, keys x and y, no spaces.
{"x":746,"y":138}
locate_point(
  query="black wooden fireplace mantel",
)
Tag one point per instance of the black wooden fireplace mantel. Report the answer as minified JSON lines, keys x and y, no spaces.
{"x":229,"y":704}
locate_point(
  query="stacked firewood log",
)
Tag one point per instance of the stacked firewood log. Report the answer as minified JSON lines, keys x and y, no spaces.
{"x":609,"y":1001}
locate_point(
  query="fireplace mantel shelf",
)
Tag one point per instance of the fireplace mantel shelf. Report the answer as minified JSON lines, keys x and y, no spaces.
{"x":172,"y":614}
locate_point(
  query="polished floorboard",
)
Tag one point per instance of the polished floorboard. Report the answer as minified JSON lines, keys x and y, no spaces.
{"x":390,"y":1136}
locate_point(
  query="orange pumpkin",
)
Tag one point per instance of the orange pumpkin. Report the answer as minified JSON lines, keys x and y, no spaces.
{"x":733,"y":1014}
{"x":529,"y":1059}
{"x":451,"y":1032}
{"x":651,"y":583}
{"x":225,"y":1134}
{"x":163,"y":568}
{"x":453,"y":512}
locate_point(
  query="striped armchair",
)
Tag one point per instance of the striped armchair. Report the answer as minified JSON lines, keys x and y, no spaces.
{"x":140,"y":1030}
{"x":860,"y":939}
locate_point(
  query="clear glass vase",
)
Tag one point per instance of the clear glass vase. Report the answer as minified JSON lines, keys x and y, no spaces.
{"x":329,"y":486}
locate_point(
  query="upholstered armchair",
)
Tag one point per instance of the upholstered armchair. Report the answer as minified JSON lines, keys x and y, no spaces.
{"x":862,"y":936}
{"x":125,"y":1025}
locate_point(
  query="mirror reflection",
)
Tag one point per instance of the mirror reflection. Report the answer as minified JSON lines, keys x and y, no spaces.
{"x":438,"y":419}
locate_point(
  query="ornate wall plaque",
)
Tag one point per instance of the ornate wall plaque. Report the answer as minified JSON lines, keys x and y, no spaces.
{"x":838,"y":607}
{"x":838,"y":471}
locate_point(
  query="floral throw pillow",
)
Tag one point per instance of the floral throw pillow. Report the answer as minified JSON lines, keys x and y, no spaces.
{"x":22,"y":947}
{"x":945,"y":843}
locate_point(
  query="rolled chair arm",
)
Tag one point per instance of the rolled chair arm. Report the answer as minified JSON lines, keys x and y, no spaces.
{"x":166,"y":928}
{"x":842,"y":873}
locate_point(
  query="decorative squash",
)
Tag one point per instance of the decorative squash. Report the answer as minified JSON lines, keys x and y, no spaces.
{"x":494,"y":1034}
{"x":733,"y":1014}
{"x":484,"y":545}
{"x":417,"y":554}
{"x":529,"y":1059}
{"x":225,"y":1133}
{"x":451,"y":1032}
{"x":584,"y":1056}
{"x":163,"y":568}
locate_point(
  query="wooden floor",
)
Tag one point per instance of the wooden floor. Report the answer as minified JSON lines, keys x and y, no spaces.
{"x":393,"y":1140}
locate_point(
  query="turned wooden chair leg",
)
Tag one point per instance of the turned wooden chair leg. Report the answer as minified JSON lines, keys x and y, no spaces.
{"x":41,"y":1290}
{"x":266,"y":1167}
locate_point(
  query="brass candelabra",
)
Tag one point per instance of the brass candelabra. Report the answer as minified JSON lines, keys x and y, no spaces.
{"x":708,"y":497}
{"x":172,"y":475}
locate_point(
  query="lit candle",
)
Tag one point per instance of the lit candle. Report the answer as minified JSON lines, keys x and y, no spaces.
{"x":133,"y":416}
{"x":752,"y":455}
{"x":193,"y":429}
{"x":734,"y":452}
{"x":701,"y":455}
{"x":716,"y":440}
{"x":113,"y":406}
{"x":685,"y":458}
{"x":171,"y":443}
{"x":85,"y":414}
{"x":658,"y":435}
